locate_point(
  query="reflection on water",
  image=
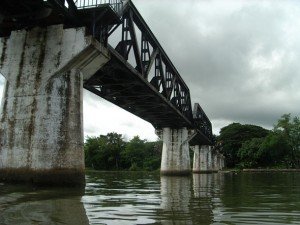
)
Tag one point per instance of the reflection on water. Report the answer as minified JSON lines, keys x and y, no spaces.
{"x":24,"y":205}
{"x":122,"y":198}
{"x":146,"y":198}
{"x":265,"y":198}
{"x":175,"y":197}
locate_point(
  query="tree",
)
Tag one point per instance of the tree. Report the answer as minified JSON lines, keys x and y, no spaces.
{"x":103,"y":152}
{"x":153,"y":155}
{"x":290,"y":129}
{"x":111,"y":152}
{"x":91,"y":148}
{"x":114,"y":145}
{"x":234,"y":135}
{"x":295,"y":140}
{"x":261,"y":152}
{"x":134,"y":153}
{"x":254,"y":146}
{"x":275,"y":149}
{"x":250,"y":153}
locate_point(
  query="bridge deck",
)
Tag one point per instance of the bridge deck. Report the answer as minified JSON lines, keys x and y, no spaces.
{"x":17,"y":14}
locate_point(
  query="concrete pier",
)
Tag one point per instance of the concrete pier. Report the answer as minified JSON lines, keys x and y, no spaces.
{"x":196,"y":159}
{"x":204,"y":158}
{"x":203,"y":161}
{"x":209,"y":160}
{"x":175,"y":153}
{"x":219,"y":161}
{"x":41,"y":130}
{"x":222,"y":162}
{"x":216,"y":164}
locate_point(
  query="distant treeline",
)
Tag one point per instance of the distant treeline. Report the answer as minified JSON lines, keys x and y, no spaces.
{"x":112,"y":152}
{"x":250,"y":146}
{"x":244,"y":146}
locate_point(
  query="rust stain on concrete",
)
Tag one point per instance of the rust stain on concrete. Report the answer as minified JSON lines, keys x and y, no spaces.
{"x":2,"y":58}
{"x":21,"y":65}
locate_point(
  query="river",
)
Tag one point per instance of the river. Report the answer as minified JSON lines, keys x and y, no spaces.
{"x":125,"y":198}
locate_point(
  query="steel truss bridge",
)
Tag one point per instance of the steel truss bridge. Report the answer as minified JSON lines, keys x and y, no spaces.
{"x":139,"y":77}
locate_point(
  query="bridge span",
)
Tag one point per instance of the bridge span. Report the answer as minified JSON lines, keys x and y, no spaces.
{"x":50,"y":50}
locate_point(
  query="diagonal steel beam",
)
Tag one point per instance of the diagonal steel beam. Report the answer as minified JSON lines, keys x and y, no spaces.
{"x":135,"y":44}
{"x":151,"y":61}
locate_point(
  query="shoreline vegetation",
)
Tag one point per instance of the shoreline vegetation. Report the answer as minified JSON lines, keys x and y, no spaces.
{"x":235,"y":171}
{"x":270,"y":170}
{"x":112,"y":153}
{"x":252,"y":147}
{"x":247,"y":148}
{"x":258,"y":170}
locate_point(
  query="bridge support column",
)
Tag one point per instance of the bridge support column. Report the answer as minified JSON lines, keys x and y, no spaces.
{"x":209,"y":160}
{"x":202,"y":162}
{"x":175,"y":153}
{"x":41,"y":131}
{"x":204,"y":158}
{"x":196,"y":160}
{"x":216,"y":165}
{"x":222,"y":162}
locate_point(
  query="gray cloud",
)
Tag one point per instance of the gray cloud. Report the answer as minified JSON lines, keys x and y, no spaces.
{"x":239,"y":58}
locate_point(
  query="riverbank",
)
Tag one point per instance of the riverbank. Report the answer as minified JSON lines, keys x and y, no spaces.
{"x":260,"y":170}
{"x":271,"y":170}
{"x":233,"y":170}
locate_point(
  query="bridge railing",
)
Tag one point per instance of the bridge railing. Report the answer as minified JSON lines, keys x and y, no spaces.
{"x":117,"y":5}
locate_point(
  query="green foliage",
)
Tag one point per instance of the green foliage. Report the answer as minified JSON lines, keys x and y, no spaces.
{"x":103,"y":152}
{"x":134,"y":152}
{"x":111,"y":152}
{"x":250,"y":153}
{"x":249,"y":146}
{"x":269,"y":151}
{"x":275,"y":148}
{"x":232,"y":138}
{"x":290,"y":129}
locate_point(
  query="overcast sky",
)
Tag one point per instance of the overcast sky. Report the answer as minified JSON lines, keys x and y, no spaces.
{"x":240,"y":60}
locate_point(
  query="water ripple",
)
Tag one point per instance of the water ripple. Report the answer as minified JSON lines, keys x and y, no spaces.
{"x":129,"y":198}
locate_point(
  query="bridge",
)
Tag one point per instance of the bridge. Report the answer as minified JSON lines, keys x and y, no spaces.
{"x":50,"y":50}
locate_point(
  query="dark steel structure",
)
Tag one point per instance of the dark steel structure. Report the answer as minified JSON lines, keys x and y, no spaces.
{"x":139,"y":78}
{"x":202,"y":125}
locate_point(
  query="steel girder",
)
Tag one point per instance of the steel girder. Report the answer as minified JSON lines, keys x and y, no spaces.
{"x":151,"y":57}
{"x":153,"y":90}
{"x":162,"y":98}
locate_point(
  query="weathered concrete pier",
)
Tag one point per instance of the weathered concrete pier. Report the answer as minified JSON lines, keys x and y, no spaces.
{"x":207,"y":159}
{"x":41,"y":129}
{"x":175,"y":153}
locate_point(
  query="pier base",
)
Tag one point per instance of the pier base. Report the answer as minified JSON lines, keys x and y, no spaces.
{"x":203,"y":162}
{"x":216,"y":163}
{"x":41,"y":130}
{"x":196,"y":159}
{"x":175,"y":153}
